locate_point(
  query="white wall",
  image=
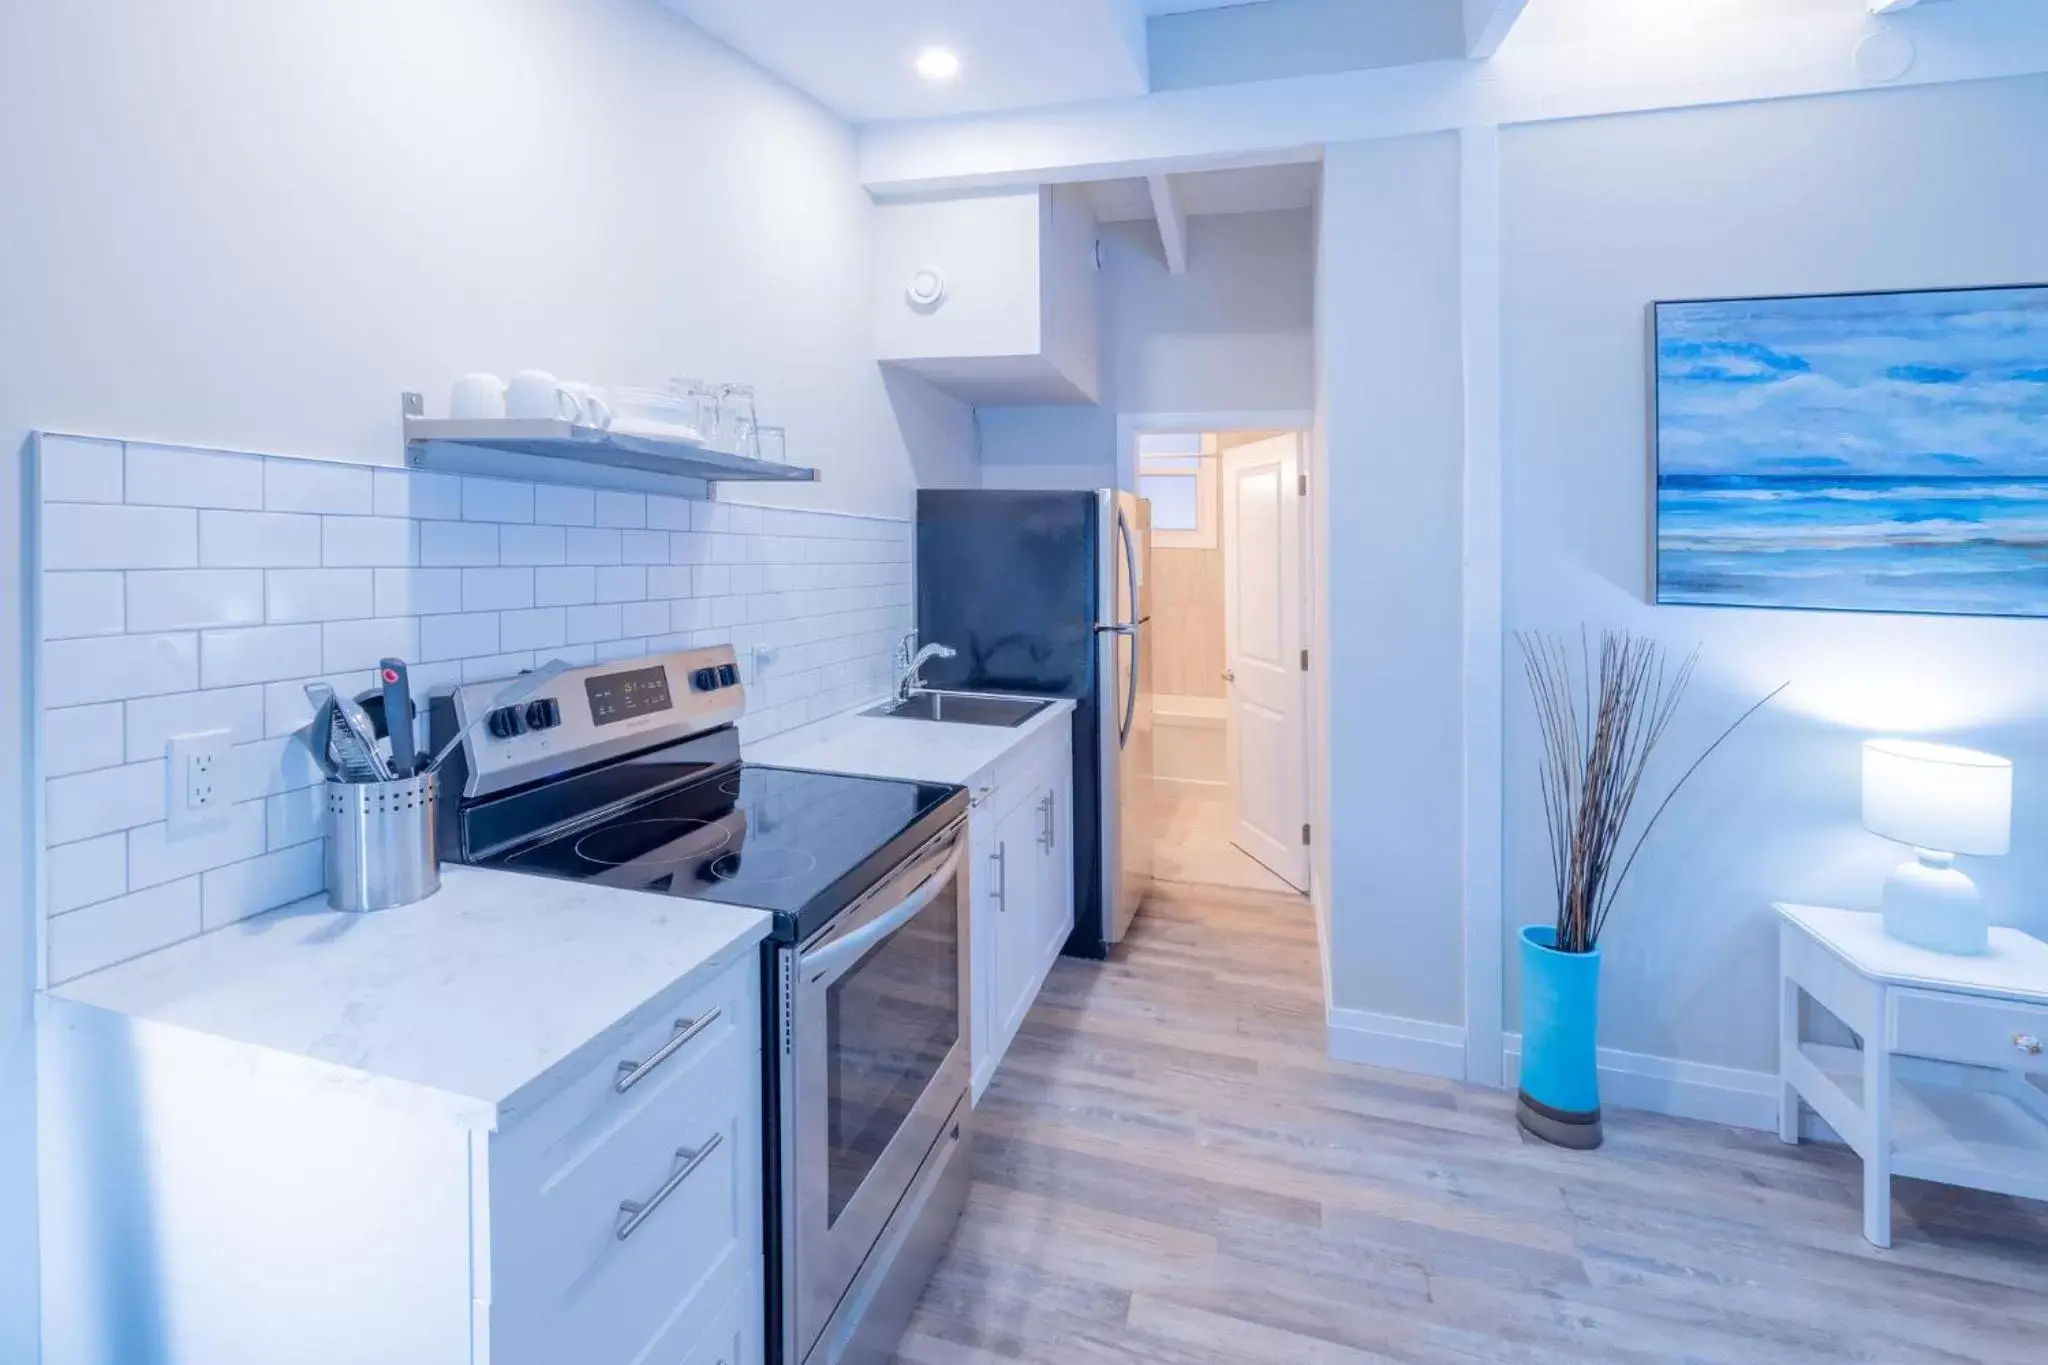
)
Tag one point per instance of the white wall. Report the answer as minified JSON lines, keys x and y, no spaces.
{"x":1392,"y":431}
{"x":246,"y":225}
{"x":1905,"y":189}
{"x":1236,"y":333}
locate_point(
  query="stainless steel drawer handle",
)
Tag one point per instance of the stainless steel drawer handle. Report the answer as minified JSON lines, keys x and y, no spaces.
{"x":632,"y":1213}
{"x":980,"y":797}
{"x":2027,"y":1043}
{"x":632,"y":1073}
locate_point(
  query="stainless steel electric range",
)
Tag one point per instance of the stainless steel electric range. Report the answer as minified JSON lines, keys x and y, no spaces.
{"x":629,"y":774}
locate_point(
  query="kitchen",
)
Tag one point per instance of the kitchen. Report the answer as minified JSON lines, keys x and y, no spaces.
{"x":268,"y":273}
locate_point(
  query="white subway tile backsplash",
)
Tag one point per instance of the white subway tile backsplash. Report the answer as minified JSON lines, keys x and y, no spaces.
{"x":229,"y":658}
{"x":77,"y":739}
{"x":112,"y":931}
{"x":568,"y":586}
{"x":76,"y":469}
{"x":621,"y":509}
{"x":109,"y":668}
{"x":191,"y":599}
{"x":316,"y":486}
{"x":621,"y":583}
{"x":355,"y":564}
{"x":156,"y":855}
{"x":564,"y":506}
{"x":152,"y":721}
{"x":171,"y":476}
{"x":99,"y":802}
{"x":496,"y":500}
{"x":347,"y":645}
{"x":496,"y":589}
{"x":114,"y":536}
{"x":418,"y":592}
{"x":234,"y":893}
{"x":423,"y":497}
{"x":599,"y":545}
{"x":78,"y":604}
{"x":457,"y":543}
{"x":87,"y":871}
{"x":318,"y":595}
{"x":258,"y":540}
{"x":540,"y":628}
{"x":458,"y":636}
{"x":531,"y":545}
{"x":368,"y":542}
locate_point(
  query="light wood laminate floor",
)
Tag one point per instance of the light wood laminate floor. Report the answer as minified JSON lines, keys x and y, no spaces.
{"x":1169,"y":1170}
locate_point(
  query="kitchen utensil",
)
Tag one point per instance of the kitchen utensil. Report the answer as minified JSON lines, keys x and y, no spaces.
{"x":476,"y":397}
{"x":518,"y":688}
{"x":381,"y":849}
{"x":538,"y":394}
{"x":398,"y":716}
{"x":592,"y":408}
{"x":361,"y":732}
{"x":320,"y":735}
{"x":351,"y":761}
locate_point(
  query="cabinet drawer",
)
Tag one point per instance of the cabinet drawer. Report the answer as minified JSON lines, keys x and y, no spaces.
{"x":734,"y":1337}
{"x":1960,"y":1028}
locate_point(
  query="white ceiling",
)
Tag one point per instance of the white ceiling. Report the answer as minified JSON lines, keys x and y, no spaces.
{"x":1252,"y":189}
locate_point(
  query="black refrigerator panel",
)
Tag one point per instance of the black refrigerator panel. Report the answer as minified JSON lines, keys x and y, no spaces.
{"x":1008,"y":580}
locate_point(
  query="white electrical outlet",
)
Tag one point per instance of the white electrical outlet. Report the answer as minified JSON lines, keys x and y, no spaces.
{"x":195,"y":780}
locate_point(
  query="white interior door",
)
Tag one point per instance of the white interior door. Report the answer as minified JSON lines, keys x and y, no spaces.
{"x":1264,"y":638}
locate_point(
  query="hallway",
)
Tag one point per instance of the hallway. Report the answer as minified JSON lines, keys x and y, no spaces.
{"x":1168,"y":1170}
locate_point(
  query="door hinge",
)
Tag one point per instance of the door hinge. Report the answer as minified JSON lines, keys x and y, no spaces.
{"x":1304,"y":836}
{"x":1304,"y":661}
{"x":1301,"y":484}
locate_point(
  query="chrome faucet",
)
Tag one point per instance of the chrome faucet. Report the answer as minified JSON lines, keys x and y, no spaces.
{"x":910,"y":666}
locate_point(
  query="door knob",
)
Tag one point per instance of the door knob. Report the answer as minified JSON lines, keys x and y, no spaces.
{"x":2027,"y":1043}
{"x":1229,"y":675}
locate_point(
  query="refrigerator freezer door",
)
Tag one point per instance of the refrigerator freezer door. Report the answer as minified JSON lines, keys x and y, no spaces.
{"x":1125,"y":647}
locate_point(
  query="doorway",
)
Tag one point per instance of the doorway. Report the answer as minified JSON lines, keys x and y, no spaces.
{"x":1230,"y":619}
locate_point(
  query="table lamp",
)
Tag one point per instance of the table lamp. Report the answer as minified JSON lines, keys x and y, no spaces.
{"x":1942,"y":801}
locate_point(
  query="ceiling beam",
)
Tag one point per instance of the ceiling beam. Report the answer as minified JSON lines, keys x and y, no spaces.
{"x":1173,"y":221}
{"x":1487,"y":22}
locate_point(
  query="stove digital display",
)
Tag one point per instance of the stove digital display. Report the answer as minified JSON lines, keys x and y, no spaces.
{"x":621,"y":696}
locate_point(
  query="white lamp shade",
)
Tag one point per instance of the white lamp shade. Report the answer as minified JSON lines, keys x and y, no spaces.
{"x":1937,"y":797}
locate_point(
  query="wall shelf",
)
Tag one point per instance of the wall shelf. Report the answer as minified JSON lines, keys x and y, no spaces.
{"x":561,"y":452}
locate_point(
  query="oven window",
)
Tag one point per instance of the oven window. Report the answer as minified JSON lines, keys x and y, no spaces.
{"x":890,"y":1022}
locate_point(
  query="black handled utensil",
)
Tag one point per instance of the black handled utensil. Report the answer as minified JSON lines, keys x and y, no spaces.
{"x":398,"y":716}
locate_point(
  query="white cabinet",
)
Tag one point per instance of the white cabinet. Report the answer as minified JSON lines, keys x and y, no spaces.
{"x":991,"y":297}
{"x":1021,"y":832}
{"x":212,"y":1203}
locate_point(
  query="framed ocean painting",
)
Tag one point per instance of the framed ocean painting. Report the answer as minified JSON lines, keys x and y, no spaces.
{"x":1854,"y":452}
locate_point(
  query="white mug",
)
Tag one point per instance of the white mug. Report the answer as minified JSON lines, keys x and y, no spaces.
{"x":536,"y":393}
{"x":593,"y":410}
{"x":476,"y":397}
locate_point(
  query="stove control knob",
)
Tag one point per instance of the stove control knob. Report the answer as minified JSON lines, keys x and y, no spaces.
{"x":728,"y":676}
{"x":544,"y":714}
{"x":505,"y":722}
{"x":704,"y":680}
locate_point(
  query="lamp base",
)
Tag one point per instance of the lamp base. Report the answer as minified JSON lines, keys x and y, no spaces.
{"x":1929,"y":904}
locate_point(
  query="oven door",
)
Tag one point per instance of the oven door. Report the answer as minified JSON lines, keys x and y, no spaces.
{"x":878,"y":1030}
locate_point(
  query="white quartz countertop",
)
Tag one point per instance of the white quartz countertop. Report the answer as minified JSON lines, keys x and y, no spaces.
{"x":488,"y":994}
{"x":882,"y":746}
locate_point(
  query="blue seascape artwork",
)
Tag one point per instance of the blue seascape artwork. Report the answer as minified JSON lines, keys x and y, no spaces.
{"x":1862,"y":452}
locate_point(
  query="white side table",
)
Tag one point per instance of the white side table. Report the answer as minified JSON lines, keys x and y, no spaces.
{"x":1940,"y":1089}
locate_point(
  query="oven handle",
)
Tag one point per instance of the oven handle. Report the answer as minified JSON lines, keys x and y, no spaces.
{"x":834,"y":958}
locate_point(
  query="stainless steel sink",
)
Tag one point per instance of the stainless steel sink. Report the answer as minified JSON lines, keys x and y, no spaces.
{"x":962,"y":708}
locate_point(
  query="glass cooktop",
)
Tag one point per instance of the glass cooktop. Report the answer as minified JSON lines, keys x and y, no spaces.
{"x":799,"y":844}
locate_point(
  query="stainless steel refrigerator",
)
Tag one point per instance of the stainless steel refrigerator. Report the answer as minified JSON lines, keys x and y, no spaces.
{"x":1047,"y":594}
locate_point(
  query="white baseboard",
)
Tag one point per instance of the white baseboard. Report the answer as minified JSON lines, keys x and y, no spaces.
{"x":1665,"y":1085}
{"x":1417,"y":1045}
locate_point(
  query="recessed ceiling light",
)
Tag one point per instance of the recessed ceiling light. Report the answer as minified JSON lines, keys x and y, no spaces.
{"x":938,"y":63}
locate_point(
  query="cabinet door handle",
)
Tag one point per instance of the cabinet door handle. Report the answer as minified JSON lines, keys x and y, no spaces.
{"x":632,"y":1212}
{"x":1002,"y":861}
{"x":2027,"y":1043}
{"x":632,"y":1073}
{"x":980,"y":797}
{"x":1045,"y":835}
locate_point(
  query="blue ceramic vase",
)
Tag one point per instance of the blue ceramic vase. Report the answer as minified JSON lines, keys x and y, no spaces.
{"x":1560,"y":1091}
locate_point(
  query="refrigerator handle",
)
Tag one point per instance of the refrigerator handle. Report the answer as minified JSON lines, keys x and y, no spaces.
{"x":1129,"y":629}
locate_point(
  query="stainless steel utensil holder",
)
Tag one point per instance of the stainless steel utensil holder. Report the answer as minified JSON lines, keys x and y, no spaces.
{"x":380,"y":843}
